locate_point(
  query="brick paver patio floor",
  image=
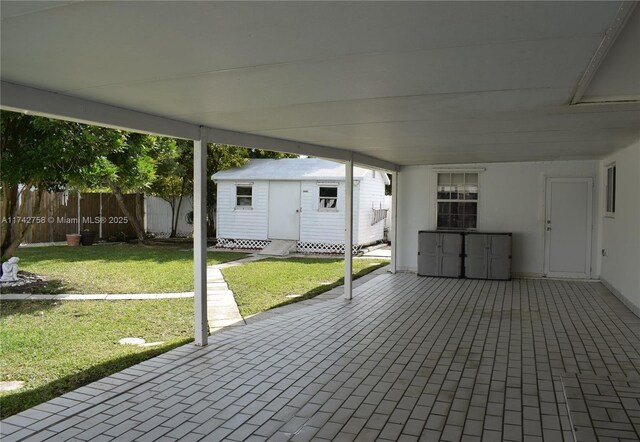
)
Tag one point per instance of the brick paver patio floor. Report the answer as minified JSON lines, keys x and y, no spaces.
{"x":410,"y":358}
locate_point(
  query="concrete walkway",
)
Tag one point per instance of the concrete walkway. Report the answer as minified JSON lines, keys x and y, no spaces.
{"x":380,"y":251}
{"x":222,"y":309}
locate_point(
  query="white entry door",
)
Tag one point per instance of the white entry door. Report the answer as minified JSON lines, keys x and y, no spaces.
{"x":568,"y":227}
{"x":284,"y":210}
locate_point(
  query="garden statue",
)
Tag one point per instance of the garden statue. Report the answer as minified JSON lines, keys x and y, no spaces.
{"x":10,"y":270}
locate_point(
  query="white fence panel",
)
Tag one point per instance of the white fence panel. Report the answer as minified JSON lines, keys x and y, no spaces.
{"x":158,"y":217}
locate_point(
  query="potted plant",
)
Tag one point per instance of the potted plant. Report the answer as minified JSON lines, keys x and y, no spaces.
{"x":88,"y":237}
{"x":73,"y":239}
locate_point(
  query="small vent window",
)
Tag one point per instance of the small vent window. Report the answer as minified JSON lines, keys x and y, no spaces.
{"x":611,"y":191}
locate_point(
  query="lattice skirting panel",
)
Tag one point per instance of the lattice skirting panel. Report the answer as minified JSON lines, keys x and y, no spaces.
{"x":248,"y":244}
{"x":302,"y":247}
{"x":165,"y":235}
{"x":320,"y":248}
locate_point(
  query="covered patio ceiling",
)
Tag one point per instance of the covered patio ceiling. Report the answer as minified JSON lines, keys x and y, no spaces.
{"x":404,"y":82}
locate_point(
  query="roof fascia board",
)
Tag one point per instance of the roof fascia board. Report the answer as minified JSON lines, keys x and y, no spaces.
{"x":19,"y":98}
{"x":26,"y":99}
{"x":297,"y":148}
{"x":322,"y":179}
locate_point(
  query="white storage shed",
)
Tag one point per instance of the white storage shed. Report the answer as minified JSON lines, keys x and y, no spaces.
{"x":298,"y":199}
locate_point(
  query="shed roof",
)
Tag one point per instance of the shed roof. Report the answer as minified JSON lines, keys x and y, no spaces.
{"x":291,"y":169}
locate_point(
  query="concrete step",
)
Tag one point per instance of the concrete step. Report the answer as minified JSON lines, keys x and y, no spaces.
{"x":279,"y":247}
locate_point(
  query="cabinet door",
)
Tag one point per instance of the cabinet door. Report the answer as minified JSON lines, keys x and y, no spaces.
{"x":450,"y":259}
{"x":475,"y":262}
{"x":499,"y":257}
{"x":428,"y":254}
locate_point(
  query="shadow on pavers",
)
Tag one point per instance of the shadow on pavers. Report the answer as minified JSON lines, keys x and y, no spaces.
{"x":11,"y":404}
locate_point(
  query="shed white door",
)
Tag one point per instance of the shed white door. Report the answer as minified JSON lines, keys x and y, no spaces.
{"x":568,"y":227}
{"x":284,"y":210}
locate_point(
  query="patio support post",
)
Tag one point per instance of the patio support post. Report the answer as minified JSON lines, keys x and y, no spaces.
{"x":394,"y":222}
{"x":200,"y":238}
{"x":348,"y":228}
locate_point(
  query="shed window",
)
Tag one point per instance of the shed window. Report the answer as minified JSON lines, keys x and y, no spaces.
{"x":328,"y":198}
{"x":611,"y":190}
{"x":244,"y":196}
{"x":457,"y":200}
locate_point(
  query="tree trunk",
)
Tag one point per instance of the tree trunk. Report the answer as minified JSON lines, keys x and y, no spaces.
{"x":140,"y":211}
{"x":15,"y":232}
{"x":117,"y":192}
{"x":172,"y":204}
{"x":175,"y":214}
{"x":175,"y":219}
{"x":10,"y":209}
{"x":211,"y":222}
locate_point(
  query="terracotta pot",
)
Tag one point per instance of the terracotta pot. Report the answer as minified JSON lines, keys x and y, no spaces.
{"x":88,"y":238}
{"x":73,"y":239}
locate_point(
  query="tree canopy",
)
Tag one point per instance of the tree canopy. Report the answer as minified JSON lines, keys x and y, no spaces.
{"x":45,"y":154}
{"x":42,"y":154}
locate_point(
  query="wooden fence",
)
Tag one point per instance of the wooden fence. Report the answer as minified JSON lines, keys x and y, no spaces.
{"x":60,"y":215}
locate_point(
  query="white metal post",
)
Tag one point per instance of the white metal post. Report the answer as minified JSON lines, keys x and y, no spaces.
{"x":348,"y":228}
{"x":200,"y":239}
{"x":394,"y":222}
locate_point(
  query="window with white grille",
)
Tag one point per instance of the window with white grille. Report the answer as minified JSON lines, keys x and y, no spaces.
{"x":457,"y":200}
{"x":244,"y":196}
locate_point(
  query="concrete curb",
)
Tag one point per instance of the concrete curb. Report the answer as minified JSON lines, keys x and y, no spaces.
{"x":92,"y":297}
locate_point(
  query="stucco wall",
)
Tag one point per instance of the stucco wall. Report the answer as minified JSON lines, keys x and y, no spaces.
{"x":511,"y":199}
{"x":621,"y":233}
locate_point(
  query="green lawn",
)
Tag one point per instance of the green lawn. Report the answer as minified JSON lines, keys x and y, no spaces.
{"x":119,"y":268}
{"x":265,"y":284}
{"x":56,"y":347}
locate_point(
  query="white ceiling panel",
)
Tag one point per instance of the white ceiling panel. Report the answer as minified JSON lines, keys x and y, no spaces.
{"x":17,"y":8}
{"x":410,"y":82}
{"x":113,"y":42}
{"x":508,"y":66}
{"x":351,"y":137}
{"x":436,"y":107}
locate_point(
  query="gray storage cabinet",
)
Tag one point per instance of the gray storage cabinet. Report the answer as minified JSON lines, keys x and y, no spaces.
{"x":440,"y":253}
{"x":487,"y":255}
